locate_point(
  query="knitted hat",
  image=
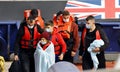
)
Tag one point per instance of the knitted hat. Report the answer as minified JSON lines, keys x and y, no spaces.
{"x":45,"y":35}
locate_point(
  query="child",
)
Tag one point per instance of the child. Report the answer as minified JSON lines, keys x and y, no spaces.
{"x":44,"y":55}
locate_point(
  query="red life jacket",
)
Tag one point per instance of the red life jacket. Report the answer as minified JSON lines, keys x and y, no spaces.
{"x":98,"y":37}
{"x":26,"y":40}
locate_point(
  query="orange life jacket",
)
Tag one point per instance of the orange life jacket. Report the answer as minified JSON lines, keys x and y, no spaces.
{"x":40,"y":22}
{"x":39,"y":19}
{"x":27,"y":13}
{"x":63,"y":28}
{"x":60,"y":21}
{"x":98,"y":37}
{"x":27,"y":41}
{"x":57,"y":22}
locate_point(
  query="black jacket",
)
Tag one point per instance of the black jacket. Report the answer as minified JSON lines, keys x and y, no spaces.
{"x":91,"y":36}
{"x":21,"y":33}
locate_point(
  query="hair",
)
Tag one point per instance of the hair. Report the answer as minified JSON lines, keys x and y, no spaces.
{"x":76,"y":20}
{"x":65,"y":13}
{"x":31,"y":18}
{"x":49,"y":23}
{"x":34,"y":12}
{"x":90,"y":17}
{"x":59,"y":13}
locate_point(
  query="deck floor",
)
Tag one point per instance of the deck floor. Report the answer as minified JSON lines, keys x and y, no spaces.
{"x":109,"y":64}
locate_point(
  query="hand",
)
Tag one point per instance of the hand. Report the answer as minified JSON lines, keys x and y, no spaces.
{"x":80,"y":58}
{"x":73,"y":53}
{"x":61,"y":56}
{"x":65,"y":31}
{"x":16,"y":57}
{"x":96,"y":50}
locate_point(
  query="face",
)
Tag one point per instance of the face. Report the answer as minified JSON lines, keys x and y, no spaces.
{"x":43,"y":41}
{"x":49,"y":28}
{"x":90,"y":23}
{"x":31,"y":22}
{"x":66,"y":18}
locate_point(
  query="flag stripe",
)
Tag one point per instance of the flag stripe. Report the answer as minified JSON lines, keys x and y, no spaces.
{"x":106,"y":9}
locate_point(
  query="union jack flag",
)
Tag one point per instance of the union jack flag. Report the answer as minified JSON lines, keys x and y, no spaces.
{"x":101,"y":9}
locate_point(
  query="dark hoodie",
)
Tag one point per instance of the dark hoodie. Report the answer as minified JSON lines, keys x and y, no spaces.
{"x":87,"y":62}
{"x":91,"y":36}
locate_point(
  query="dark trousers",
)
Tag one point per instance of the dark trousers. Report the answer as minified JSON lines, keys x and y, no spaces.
{"x":68,"y":57}
{"x":27,"y":60}
{"x":88,"y":63}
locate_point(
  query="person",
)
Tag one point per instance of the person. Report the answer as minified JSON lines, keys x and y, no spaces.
{"x":76,"y":20}
{"x":89,"y":34}
{"x":44,"y":54}
{"x":56,"y":38}
{"x":27,"y":38}
{"x":69,"y":31}
{"x":36,"y":14}
{"x":57,"y":19}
